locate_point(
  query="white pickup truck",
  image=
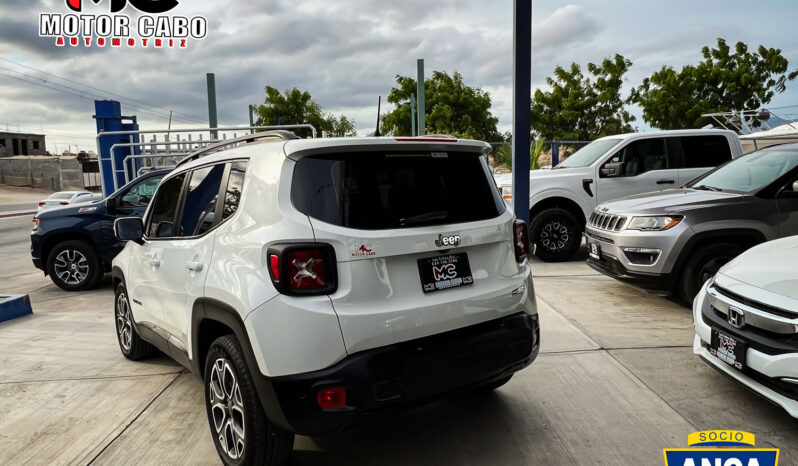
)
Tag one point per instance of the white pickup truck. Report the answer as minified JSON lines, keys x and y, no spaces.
{"x":562,"y":198}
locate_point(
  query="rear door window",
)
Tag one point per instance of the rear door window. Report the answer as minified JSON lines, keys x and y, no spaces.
{"x":199,"y":210}
{"x":705,"y":151}
{"x":378,"y":190}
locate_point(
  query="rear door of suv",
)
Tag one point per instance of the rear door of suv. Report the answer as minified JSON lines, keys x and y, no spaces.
{"x":422,"y":238}
{"x":700,"y":154}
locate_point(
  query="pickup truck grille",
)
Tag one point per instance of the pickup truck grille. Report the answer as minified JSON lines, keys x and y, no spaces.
{"x":608,"y":222}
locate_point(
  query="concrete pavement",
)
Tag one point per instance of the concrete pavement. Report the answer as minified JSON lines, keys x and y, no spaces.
{"x":614,"y":384}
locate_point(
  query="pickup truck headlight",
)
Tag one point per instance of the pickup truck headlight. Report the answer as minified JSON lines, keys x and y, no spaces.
{"x":35,"y":223}
{"x":507,"y":192}
{"x":654,"y":223}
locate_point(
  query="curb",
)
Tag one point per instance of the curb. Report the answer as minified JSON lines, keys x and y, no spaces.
{"x":17,"y":214}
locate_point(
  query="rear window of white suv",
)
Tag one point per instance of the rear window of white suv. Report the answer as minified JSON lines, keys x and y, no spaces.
{"x":375,"y":191}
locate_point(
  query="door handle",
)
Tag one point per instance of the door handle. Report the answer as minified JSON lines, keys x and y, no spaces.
{"x":155,"y":262}
{"x":194,"y":266}
{"x":666,"y":181}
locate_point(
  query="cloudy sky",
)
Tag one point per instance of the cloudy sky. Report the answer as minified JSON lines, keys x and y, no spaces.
{"x":347,"y":52}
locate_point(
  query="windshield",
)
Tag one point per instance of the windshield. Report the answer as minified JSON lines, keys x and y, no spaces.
{"x":748,"y":173}
{"x":590,"y":153}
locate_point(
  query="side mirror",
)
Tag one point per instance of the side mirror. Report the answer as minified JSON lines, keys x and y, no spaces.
{"x":112,"y":204}
{"x":611,"y":169}
{"x":128,"y":229}
{"x":792,"y":193}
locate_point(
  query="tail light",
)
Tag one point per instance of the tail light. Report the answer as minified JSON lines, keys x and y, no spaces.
{"x":303,"y":269}
{"x":521,"y":240}
{"x":64,"y":203}
{"x":42,"y":204}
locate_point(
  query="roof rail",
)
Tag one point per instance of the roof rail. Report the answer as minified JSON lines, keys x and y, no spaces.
{"x":247,"y":139}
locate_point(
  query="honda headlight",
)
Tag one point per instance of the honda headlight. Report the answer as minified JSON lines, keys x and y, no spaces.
{"x":654,"y":223}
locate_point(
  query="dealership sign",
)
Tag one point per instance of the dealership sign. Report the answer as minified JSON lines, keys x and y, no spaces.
{"x":148,"y":28}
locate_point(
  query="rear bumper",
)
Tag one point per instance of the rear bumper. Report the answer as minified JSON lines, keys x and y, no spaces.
{"x":661,"y":284}
{"x":393,"y":378}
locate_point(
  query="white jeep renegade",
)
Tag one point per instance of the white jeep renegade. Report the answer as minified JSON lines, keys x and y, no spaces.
{"x":311,"y":283}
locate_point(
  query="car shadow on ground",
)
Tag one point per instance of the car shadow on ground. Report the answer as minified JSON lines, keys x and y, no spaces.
{"x":468,"y":428}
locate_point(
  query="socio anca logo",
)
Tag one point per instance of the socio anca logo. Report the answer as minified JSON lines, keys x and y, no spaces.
{"x":152,"y":29}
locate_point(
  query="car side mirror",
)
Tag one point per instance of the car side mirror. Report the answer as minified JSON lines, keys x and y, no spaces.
{"x":129,"y":229}
{"x":611,"y":170}
{"x":112,"y":204}
{"x":792,"y":193}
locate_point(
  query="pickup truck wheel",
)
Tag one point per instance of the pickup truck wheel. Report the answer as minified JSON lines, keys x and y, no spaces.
{"x":557,"y":234}
{"x":131,"y":344}
{"x":239,"y":427}
{"x":74,"y":266}
{"x":702,"y":266}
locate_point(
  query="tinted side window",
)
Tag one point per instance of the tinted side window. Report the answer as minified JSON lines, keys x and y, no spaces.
{"x":141,"y":194}
{"x":642,"y":156}
{"x":202,"y":196}
{"x":161,"y":223}
{"x":705,"y":151}
{"x":235,"y":185}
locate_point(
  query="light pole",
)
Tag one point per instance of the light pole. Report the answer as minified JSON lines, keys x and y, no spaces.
{"x":522,"y":83}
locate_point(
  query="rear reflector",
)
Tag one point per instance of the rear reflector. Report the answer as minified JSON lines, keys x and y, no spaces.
{"x":41,"y":204}
{"x":331,"y":398}
{"x":521,"y":240}
{"x":64,"y":203}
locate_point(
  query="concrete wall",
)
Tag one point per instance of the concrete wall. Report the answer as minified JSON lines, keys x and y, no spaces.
{"x":21,"y":144}
{"x":55,"y":173}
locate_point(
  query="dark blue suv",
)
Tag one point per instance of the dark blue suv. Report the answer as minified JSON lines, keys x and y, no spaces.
{"x":75,"y":245}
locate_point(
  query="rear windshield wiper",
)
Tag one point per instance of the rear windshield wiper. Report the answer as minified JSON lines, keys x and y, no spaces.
{"x":704,"y":187}
{"x":422,"y":218}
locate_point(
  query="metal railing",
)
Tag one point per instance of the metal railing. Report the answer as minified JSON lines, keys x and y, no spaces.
{"x":167,"y":158}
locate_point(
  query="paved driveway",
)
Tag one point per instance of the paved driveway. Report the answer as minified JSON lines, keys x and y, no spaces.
{"x":614,"y":384}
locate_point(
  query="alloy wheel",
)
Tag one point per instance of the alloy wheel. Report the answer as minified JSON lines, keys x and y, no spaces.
{"x":71,"y":267}
{"x":227,"y":408}
{"x":554,"y":236}
{"x":124,"y":326}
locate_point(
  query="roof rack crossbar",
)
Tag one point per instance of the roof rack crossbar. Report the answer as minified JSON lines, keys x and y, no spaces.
{"x":246,"y":139}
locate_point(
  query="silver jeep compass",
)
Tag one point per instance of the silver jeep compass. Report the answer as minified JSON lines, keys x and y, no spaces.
{"x":674,"y":240}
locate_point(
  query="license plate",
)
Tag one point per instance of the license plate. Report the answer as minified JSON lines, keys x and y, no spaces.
{"x":594,"y":250}
{"x":444,"y":272}
{"x":728,"y":349}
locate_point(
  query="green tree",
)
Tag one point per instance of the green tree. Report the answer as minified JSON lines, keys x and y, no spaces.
{"x":725,"y":80}
{"x":451,"y":107}
{"x":294,"y":107}
{"x":583,"y":107}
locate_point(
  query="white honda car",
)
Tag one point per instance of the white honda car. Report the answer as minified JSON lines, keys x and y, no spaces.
{"x":316,"y":283}
{"x":746,"y":321}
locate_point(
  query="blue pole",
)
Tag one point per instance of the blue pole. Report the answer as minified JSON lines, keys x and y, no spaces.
{"x":412,"y":114}
{"x":422,"y":125}
{"x":522,"y":95}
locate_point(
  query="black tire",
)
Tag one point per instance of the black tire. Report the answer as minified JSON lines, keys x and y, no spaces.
{"x":702,"y":265}
{"x":74,"y":266}
{"x":262,"y":442}
{"x":556,"y":234}
{"x":130,"y":343}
